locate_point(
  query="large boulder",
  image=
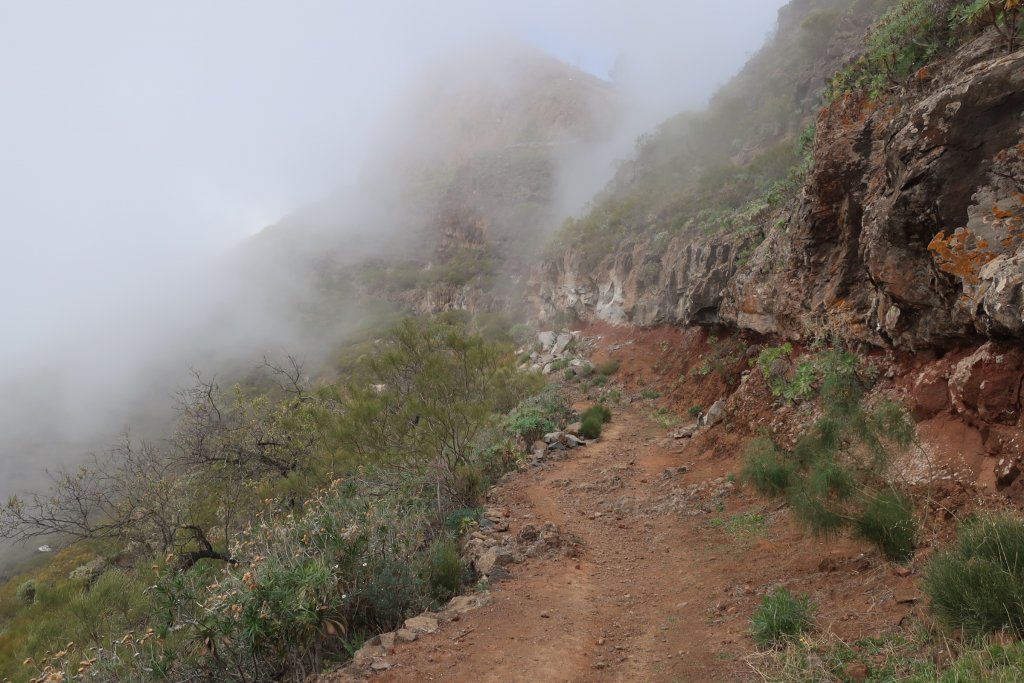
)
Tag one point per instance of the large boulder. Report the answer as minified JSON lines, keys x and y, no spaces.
{"x":985,"y":386}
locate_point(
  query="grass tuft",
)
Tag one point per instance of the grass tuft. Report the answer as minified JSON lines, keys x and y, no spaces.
{"x":780,"y":616}
{"x":978,"y":585}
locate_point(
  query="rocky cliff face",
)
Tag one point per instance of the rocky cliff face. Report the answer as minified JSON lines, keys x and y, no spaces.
{"x":907,"y":233}
{"x":908,"y":230}
{"x":644,"y":282}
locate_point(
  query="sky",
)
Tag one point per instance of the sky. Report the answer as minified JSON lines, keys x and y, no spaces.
{"x":141,"y":141}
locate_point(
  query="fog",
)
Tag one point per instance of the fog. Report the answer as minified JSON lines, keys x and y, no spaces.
{"x":141,"y":143}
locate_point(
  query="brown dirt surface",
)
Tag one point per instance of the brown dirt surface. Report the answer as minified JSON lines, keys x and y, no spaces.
{"x":670,"y":565}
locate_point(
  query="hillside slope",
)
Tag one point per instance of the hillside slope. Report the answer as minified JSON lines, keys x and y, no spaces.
{"x":469,"y":167}
{"x":901,"y":227}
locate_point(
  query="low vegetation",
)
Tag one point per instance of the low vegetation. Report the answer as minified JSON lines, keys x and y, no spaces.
{"x":280,"y":528}
{"x":891,"y":658}
{"x":780,"y":616}
{"x":834,"y":476}
{"x":730,"y":171}
{"x":538,"y":415}
{"x":977,"y":586}
{"x":593,"y":419}
{"x":913,"y":33}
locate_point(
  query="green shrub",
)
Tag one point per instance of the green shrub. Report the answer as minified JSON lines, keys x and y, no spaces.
{"x":446,"y":569}
{"x":601,"y":412}
{"x":693,"y":411}
{"x":463,"y":519}
{"x":650,"y":394}
{"x":599,"y":381}
{"x":569,"y":374}
{"x":590,"y":427}
{"x":358,"y":562}
{"x":978,"y":585}
{"x":831,"y":473}
{"x":1007,"y":16}
{"x":468,"y":484}
{"x":609,"y":367}
{"x":887,"y":520}
{"x":765,"y":468}
{"x":801,"y":387}
{"x":906,"y":38}
{"x":538,"y":415}
{"x":559,"y":365}
{"x":26,"y":592}
{"x":779,"y":617}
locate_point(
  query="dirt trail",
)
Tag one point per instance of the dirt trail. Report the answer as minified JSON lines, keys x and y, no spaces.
{"x":665,"y":582}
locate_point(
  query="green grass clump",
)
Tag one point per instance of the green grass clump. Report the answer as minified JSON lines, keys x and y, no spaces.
{"x":537,"y":415}
{"x":996,"y":664}
{"x":602,"y":412}
{"x":888,"y":659}
{"x":446,"y":570}
{"x":833,"y":473}
{"x":609,"y":367}
{"x":766,"y":469}
{"x":779,"y":617}
{"x":742,"y":527}
{"x":592,"y":420}
{"x":978,"y":585}
{"x":650,"y":394}
{"x":26,"y":592}
{"x":887,"y":520}
{"x":590,"y":427}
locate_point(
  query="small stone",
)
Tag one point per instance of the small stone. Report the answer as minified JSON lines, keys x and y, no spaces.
{"x":545,"y":615}
{"x":387,"y":641}
{"x":499,"y":574}
{"x":365,"y":655}
{"x":715,"y":414}
{"x":404,"y":635}
{"x":424,"y":623}
{"x":380,"y":665}
{"x":461,"y":604}
{"x":1006,"y":471}
{"x":686,"y":432}
{"x":494,"y":557}
{"x":554,"y":437}
{"x":905,"y":595}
